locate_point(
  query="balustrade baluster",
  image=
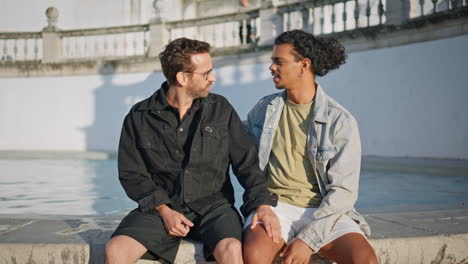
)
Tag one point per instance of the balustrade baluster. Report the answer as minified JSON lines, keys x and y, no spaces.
{"x":312,"y":21}
{"x":224,"y":35}
{"x":145,"y":43}
{"x":5,"y":50}
{"x":77,"y":47}
{"x":96,"y":47}
{"x":421,"y":7}
{"x":244,"y":32}
{"x":135,"y":46}
{"x":106,"y":45}
{"x":213,"y":31}
{"x":67,"y":47}
{"x":125,"y":44}
{"x":322,"y":18}
{"x":333,"y":17}
{"x":25,"y":49}
{"x":345,"y":15}
{"x":253,"y":34}
{"x":368,"y":12}
{"x":116,"y":45}
{"x":434,"y":6}
{"x":381,"y":11}
{"x":36,"y":49}
{"x":85,"y":48}
{"x":356,"y":13}
{"x":15,"y":50}
{"x":289,"y":23}
{"x":305,"y":19}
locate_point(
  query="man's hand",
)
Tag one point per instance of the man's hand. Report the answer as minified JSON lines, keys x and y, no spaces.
{"x":270,"y":221}
{"x":296,"y":251}
{"x":176,"y":223}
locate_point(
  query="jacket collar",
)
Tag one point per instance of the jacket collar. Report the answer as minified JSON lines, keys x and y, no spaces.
{"x":158,"y":101}
{"x":320,"y":108}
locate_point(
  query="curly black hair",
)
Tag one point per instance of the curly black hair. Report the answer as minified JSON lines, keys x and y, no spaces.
{"x":326,"y":54}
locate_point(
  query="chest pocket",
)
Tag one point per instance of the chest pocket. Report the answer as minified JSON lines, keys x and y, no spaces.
{"x":325,"y":154}
{"x":217,"y":131}
{"x":152,"y":151}
{"x":214,"y":140}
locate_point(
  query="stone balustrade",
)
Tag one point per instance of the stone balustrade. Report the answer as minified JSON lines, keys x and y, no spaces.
{"x":249,"y":28}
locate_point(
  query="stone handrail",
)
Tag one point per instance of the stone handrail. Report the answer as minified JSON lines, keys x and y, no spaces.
{"x":247,"y":28}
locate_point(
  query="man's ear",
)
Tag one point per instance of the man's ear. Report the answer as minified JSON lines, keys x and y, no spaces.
{"x":181,"y":78}
{"x":307,"y":64}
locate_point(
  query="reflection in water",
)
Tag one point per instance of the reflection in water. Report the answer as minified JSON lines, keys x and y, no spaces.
{"x":61,"y":187}
{"x":78,"y":187}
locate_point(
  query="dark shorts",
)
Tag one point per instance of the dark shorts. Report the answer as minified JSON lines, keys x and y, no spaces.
{"x":148,"y":229}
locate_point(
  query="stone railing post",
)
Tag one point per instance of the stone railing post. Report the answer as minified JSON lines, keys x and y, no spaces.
{"x":397,"y":11}
{"x":159,"y":33}
{"x":271,"y":23}
{"x":51,"y":40}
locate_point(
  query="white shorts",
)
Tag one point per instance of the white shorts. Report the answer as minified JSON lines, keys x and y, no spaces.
{"x":293,"y":219}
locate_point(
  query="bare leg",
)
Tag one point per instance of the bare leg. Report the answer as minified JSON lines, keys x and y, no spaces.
{"x":258,"y":247}
{"x":350,"y":248}
{"x":228,"y":250}
{"x":124,"y":249}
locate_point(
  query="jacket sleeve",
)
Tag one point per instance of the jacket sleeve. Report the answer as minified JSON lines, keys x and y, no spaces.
{"x":133,"y":175}
{"x":244,"y":160}
{"x":342,"y":187}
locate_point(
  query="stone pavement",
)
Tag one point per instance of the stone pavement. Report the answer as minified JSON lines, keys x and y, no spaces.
{"x":433,"y":236}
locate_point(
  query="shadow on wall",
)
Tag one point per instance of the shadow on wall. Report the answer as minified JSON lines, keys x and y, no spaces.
{"x":111,"y":103}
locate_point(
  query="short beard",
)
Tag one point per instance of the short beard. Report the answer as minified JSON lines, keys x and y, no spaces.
{"x":198,"y":94}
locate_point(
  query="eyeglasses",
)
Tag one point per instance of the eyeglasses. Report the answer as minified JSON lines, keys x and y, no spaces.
{"x":206,"y":74}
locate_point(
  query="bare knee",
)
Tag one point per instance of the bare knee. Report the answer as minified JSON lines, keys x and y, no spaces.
{"x":123,"y":249}
{"x":113,"y":250}
{"x":228,"y":247}
{"x":365,"y":258}
{"x":252,"y":254}
{"x":258,"y":247}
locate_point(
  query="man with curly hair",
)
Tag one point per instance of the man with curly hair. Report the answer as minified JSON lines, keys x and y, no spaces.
{"x":175,"y":151}
{"x":309,"y":148}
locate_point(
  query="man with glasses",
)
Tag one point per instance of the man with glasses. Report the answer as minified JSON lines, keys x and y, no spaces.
{"x":175,"y":152}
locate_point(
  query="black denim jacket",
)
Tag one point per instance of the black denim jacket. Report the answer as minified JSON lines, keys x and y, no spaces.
{"x":150,"y":178}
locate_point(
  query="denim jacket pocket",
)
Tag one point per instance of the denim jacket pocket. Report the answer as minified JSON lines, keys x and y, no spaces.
{"x":214,"y":140}
{"x":324,"y":154}
{"x":152,"y":151}
{"x":322,"y":158}
{"x":217,"y":131}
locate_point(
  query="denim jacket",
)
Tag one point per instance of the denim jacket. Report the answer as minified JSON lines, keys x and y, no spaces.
{"x":334,"y":151}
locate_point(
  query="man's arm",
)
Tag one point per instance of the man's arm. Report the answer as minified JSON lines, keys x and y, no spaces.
{"x":133,"y":175}
{"x":137,"y":182}
{"x":342,"y":189}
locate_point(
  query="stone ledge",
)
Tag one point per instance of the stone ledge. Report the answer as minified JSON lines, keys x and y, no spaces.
{"x":411,"y":237}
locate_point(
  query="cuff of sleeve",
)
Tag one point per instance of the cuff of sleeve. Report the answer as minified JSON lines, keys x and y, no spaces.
{"x":269,"y":199}
{"x":311,"y":240}
{"x":150,"y":202}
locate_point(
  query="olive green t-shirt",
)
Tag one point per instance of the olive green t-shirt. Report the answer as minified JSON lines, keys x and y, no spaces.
{"x":291,"y":175}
